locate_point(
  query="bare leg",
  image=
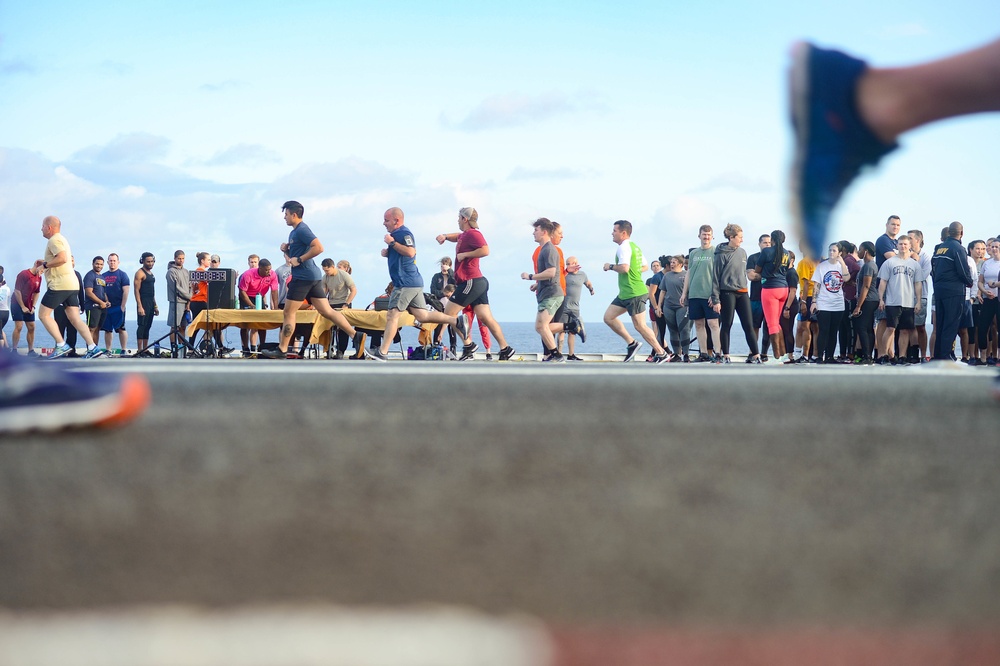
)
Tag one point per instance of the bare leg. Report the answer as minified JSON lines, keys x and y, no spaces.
{"x":49,"y":323}
{"x":542,"y":322}
{"x":714,"y":331}
{"x":895,"y":100}
{"x":391,"y":326}
{"x":639,"y":321}
{"x":485,"y":315}
{"x":16,"y":336}
{"x":288,"y":323}
{"x":340,"y":321}
{"x":611,"y":316}
{"x":29,"y":334}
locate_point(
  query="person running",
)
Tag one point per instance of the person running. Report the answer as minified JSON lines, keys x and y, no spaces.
{"x":700,"y":294}
{"x":576,"y":280}
{"x":306,"y":284}
{"x":773,"y":265}
{"x":63,"y":288}
{"x":730,"y":266}
{"x":145,"y":300}
{"x":408,"y":293}
{"x":471,"y":286}
{"x":632,"y":293}
{"x":548,"y":292}
{"x":4,"y":308}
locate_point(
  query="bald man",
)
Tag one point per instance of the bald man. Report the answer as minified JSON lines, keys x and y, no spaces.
{"x":63,"y":288}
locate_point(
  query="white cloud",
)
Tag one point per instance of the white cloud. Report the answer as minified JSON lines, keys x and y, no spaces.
{"x":735,"y":180}
{"x":516,"y":110}
{"x":126,"y":149}
{"x":243,"y":154}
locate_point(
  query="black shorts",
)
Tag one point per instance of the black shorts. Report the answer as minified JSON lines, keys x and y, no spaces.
{"x":305,"y":290}
{"x":899,"y":317}
{"x":95,"y":317}
{"x":472,"y":292}
{"x":4,"y":317}
{"x":53,"y":299}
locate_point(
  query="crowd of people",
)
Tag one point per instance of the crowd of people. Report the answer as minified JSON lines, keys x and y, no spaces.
{"x":873,"y":299}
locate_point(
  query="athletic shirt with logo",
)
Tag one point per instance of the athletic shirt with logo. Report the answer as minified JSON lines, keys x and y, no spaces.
{"x":630,"y":284}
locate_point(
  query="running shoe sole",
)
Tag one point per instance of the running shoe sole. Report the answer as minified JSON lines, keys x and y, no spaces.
{"x":108,"y":410}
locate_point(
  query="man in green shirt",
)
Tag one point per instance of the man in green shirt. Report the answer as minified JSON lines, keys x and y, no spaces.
{"x":632,"y":293}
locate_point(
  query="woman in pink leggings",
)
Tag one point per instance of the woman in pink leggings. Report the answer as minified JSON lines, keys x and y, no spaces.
{"x":772,"y":267}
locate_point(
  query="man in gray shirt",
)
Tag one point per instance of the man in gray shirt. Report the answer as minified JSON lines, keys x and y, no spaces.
{"x":576,"y":280}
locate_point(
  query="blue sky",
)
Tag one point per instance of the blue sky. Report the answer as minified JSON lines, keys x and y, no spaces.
{"x":185,"y":125}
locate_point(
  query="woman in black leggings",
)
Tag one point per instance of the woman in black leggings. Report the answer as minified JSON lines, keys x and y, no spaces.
{"x":734,"y":296}
{"x":864,"y":311}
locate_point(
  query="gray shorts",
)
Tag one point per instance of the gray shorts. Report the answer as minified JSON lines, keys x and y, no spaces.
{"x":634,"y":306}
{"x":920,"y":318}
{"x":175,"y":314}
{"x":551,"y":304}
{"x":407,"y":297}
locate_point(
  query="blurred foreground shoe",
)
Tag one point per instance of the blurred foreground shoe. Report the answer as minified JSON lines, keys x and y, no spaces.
{"x":832,"y":142}
{"x":46,"y":397}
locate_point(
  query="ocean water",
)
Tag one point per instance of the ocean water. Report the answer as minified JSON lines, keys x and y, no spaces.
{"x":520,"y":335}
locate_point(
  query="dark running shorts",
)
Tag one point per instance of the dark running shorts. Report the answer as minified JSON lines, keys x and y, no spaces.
{"x":472,"y":292}
{"x":899,"y":317}
{"x":305,"y":290}
{"x":69,"y":298}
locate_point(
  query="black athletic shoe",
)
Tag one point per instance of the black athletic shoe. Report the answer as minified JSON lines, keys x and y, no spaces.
{"x":703,"y":358}
{"x":554,"y":357}
{"x":631,"y":350}
{"x":469,"y":352}
{"x":506,"y":353}
{"x":580,"y":330}
{"x":763,"y":358}
{"x":661,"y":358}
{"x":573,"y":357}
{"x":274,"y":353}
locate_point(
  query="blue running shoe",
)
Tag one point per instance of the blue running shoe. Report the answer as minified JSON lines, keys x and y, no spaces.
{"x":59,"y":351}
{"x":832,"y":142}
{"x":45,"y":397}
{"x":96,"y":352}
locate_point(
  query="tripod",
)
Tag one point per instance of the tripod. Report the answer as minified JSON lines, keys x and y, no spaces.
{"x":177,"y":331}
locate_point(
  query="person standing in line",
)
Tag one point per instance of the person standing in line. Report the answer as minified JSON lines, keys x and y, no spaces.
{"x":674,"y":314}
{"x":951,"y":277}
{"x":772,"y":266}
{"x":116,"y":286}
{"x":306,"y":284}
{"x":867,"y":302}
{"x":653,"y":285}
{"x":730,"y":264}
{"x":828,"y":302}
{"x":145,"y":300}
{"x":178,"y":299}
{"x":699,"y":294}
{"x":63,"y":287}
{"x":439,"y":281}
{"x":971,"y":309}
{"x":922,"y":256}
{"x":95,"y":299}
{"x":900,"y":290}
{"x":408,"y":285}
{"x":632,"y":297}
{"x":807,"y":326}
{"x":989,"y":281}
{"x":756,"y":309}
{"x":848,"y":339}
{"x":471,"y":286}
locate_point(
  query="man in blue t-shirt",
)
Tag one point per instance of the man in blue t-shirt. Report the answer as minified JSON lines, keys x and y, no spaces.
{"x":116,"y":288}
{"x":408,"y":285}
{"x":307,"y":281}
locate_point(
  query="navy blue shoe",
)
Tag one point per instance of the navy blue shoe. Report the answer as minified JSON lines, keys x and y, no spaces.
{"x":45,"y":397}
{"x":832,"y":142}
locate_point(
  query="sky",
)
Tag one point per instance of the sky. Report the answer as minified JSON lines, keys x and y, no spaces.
{"x":156,"y":126}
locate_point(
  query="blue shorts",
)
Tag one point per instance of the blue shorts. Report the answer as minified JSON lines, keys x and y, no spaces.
{"x":114,"y":320}
{"x":698,"y":309}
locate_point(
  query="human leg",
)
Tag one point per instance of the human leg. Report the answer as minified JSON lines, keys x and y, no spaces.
{"x":743,"y":311}
{"x":611,"y":316}
{"x":728,"y":301}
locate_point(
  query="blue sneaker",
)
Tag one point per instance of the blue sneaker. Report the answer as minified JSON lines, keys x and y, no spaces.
{"x":832,"y":142}
{"x":96,"y":352}
{"x":46,"y":397}
{"x":59,"y":351}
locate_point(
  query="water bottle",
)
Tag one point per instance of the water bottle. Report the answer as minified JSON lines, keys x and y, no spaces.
{"x":258,"y":302}
{"x":409,"y":353}
{"x":156,"y":350}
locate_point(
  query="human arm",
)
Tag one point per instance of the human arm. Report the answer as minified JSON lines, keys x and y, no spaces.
{"x":684,"y":289}
{"x":920,"y":295}
{"x":403,"y":249}
{"x":547,"y":274}
{"x":125,"y":290}
{"x":866,"y":283}
{"x":451,"y":238}
{"x":137,"y":281}
{"x":881,"y":294}
{"x":478,"y":253}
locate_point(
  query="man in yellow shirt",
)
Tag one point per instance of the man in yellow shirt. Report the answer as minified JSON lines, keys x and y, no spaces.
{"x":63,"y":288}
